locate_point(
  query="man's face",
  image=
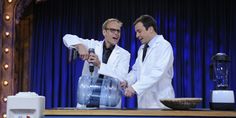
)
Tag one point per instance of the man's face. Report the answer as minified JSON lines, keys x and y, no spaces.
{"x":142,"y":34}
{"x":112,"y":33}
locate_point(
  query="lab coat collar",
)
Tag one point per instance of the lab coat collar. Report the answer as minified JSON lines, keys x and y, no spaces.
{"x":114,"y":54}
{"x":152,"y":43}
{"x":156,"y":39}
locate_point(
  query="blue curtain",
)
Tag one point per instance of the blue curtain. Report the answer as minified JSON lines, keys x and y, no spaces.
{"x":196,"y":29}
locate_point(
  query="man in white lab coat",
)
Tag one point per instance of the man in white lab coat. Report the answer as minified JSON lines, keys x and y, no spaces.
{"x":109,"y":59}
{"x":151,"y":75}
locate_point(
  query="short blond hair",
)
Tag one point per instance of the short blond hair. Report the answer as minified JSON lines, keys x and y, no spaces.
{"x":104,"y":26}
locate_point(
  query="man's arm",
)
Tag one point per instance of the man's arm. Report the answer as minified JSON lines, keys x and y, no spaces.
{"x":130,"y":79}
{"x":117,"y":70}
{"x":82,"y":50}
{"x":70,"y":40}
{"x":80,"y":44}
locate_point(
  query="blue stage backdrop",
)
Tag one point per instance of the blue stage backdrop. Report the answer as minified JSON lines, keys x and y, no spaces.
{"x":197,"y":29}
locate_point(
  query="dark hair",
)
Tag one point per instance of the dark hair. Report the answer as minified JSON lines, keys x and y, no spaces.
{"x":147,"y":21}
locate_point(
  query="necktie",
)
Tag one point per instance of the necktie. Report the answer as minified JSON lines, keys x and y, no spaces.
{"x":145,"y":51}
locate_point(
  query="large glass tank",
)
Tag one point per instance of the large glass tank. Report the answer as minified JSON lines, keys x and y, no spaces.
{"x":98,"y":91}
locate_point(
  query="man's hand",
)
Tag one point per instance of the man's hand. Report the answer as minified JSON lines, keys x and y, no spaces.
{"x":83,"y":51}
{"x":123,"y":84}
{"x":93,"y":58}
{"x":129,"y":92}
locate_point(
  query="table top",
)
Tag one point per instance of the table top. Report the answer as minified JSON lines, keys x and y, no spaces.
{"x":139,"y":112}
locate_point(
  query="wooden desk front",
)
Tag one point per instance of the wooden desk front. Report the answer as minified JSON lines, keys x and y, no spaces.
{"x":75,"y":113}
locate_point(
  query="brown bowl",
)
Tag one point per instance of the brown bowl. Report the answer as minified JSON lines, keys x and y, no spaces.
{"x":181,"y":103}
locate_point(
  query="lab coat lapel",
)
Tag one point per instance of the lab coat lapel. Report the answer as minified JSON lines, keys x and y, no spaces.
{"x":150,"y":49}
{"x":140,"y":56}
{"x":114,"y":56}
{"x":99,"y":50}
{"x":148,"y":52}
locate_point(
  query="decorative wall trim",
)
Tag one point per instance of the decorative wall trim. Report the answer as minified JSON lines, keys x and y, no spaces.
{"x":10,"y":13}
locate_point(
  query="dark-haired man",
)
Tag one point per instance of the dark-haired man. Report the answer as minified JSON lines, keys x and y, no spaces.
{"x":151,"y":75}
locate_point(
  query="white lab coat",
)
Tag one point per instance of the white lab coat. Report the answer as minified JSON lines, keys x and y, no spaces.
{"x":117,"y":65}
{"x":152,"y":78}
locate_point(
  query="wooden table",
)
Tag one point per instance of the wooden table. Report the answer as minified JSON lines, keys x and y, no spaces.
{"x":74,"y":113}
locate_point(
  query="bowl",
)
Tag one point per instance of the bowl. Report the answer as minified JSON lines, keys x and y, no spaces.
{"x":181,"y":103}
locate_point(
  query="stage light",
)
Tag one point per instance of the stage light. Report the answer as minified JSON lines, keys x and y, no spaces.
{"x":4,"y":115}
{"x":4,"y":99}
{"x":7,"y":34}
{"x":5,"y":82}
{"x":6,"y":50}
{"x":7,"y":17}
{"x":9,"y":1}
{"x":6,"y":66}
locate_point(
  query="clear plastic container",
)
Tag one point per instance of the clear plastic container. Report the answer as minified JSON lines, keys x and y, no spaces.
{"x":98,"y":91}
